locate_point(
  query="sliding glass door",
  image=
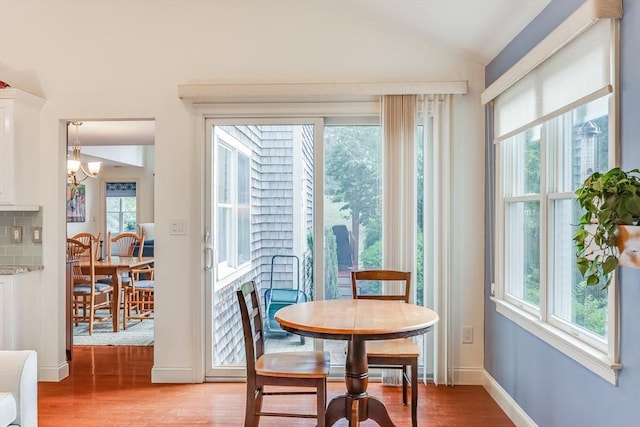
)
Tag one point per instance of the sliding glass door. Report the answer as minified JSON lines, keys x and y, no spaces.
{"x":294,"y":204}
{"x":260,"y":218}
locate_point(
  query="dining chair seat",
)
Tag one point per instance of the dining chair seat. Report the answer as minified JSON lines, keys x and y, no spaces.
{"x":86,"y":289}
{"x":400,"y":347}
{"x":145,"y":284}
{"x":124,"y":279}
{"x":305,"y":364}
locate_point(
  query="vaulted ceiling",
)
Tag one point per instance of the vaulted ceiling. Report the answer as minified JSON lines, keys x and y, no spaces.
{"x":476,"y":29}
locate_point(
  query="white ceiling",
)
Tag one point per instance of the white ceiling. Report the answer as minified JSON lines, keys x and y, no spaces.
{"x":476,"y":29}
{"x":113,"y":132}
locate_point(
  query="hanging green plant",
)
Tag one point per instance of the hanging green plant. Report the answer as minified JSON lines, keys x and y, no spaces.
{"x":608,"y":199}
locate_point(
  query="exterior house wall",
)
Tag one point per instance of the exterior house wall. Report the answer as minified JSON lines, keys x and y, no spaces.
{"x":227,"y":328}
{"x":276,"y":201}
{"x":272,"y":203}
{"x":551,"y":388}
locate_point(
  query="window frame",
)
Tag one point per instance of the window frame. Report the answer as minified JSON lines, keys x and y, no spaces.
{"x":106,"y":196}
{"x":226,"y":274}
{"x":601,"y":357}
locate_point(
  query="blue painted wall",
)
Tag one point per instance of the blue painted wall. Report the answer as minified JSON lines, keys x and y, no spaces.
{"x":552,"y":389}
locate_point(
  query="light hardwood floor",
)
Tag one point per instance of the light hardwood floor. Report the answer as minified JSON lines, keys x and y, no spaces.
{"x":111,"y":386}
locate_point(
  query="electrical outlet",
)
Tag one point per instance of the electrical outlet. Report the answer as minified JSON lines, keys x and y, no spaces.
{"x":467,"y":334}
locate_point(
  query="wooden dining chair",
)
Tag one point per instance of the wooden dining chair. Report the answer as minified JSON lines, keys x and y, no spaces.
{"x":127,"y":245}
{"x":293,"y":369}
{"x":139,"y":296}
{"x":86,"y":289}
{"x":87,"y":238}
{"x":396,"y":353}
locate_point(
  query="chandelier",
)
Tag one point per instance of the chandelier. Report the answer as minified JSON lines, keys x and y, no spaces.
{"x":74,"y":166}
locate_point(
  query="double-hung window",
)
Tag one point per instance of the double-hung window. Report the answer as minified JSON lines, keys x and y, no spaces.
{"x":121,"y":207}
{"x":233,"y":214}
{"x":552,"y":128}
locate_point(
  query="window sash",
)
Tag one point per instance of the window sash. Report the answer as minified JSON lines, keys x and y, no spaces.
{"x":120,"y":191}
{"x":561,"y":312}
{"x":233,"y":198}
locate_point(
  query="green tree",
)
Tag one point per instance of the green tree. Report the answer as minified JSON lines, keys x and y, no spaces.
{"x":331,"y":290}
{"x":353,"y":174}
{"x":309,"y":285}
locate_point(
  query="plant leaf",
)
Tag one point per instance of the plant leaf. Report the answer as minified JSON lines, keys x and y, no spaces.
{"x":609,"y":264}
{"x":593,"y":280}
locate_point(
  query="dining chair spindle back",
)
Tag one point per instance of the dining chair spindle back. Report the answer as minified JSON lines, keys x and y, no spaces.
{"x":87,"y":238}
{"x":125,"y":245}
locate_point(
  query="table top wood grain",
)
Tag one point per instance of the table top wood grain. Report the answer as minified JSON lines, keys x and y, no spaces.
{"x":368,"y":319}
{"x":118,"y":261}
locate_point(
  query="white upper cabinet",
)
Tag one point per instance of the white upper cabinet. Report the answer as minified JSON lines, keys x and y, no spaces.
{"x":19,"y":148}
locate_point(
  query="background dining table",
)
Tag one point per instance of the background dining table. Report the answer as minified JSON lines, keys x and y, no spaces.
{"x":356,"y":321}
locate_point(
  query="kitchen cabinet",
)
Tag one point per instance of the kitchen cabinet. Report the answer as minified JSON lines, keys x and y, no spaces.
{"x":19,"y":311}
{"x":7,"y":314}
{"x":19,"y":148}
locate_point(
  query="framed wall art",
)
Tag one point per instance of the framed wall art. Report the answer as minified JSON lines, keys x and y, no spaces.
{"x":76,"y":207}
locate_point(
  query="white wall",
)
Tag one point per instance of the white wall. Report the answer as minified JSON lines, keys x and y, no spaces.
{"x":103,"y":59}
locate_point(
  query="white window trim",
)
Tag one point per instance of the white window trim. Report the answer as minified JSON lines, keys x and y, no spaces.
{"x":228,"y":274}
{"x":603,"y":363}
{"x":568,"y":340}
{"x":587,"y":356}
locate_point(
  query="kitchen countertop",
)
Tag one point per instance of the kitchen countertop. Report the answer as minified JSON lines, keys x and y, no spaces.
{"x":8,"y":270}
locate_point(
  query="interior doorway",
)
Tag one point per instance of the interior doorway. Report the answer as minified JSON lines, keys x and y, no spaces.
{"x":119,"y":198}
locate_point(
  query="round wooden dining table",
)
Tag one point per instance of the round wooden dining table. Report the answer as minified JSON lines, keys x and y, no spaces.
{"x":356,"y":321}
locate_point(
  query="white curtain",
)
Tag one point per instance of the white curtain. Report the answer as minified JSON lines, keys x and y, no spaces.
{"x":399,"y":118}
{"x":398,"y":183}
{"x":400,"y":122}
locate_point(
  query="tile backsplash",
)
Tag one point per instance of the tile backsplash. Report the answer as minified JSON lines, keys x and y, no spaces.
{"x":25,"y":252}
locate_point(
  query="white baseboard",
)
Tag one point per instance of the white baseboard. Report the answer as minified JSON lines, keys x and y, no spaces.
{"x":172,"y":375}
{"x":506,"y":402}
{"x":468,"y":376}
{"x":53,"y":373}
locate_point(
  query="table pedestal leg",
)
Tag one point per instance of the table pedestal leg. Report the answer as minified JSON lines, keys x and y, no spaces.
{"x":116,"y":281}
{"x":356,"y":405}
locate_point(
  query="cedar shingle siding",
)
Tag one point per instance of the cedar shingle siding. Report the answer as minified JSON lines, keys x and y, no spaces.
{"x":274,"y":148}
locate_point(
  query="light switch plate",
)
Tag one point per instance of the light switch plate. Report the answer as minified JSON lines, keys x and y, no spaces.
{"x":178,"y":227}
{"x":36,"y":234}
{"x":467,"y":334}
